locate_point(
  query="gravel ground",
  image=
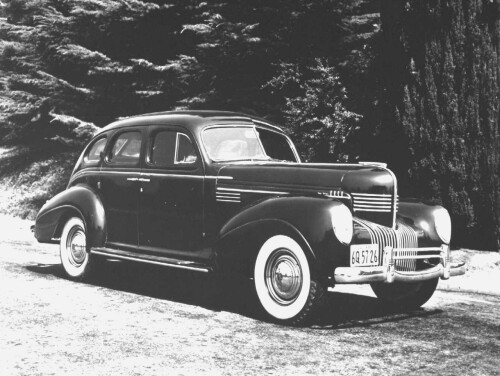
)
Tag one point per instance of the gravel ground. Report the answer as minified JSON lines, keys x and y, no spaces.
{"x":140,"y":320}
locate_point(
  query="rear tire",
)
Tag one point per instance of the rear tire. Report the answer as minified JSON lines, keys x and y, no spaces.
{"x":405,"y":295}
{"x":283,"y":282}
{"x":75,"y":258}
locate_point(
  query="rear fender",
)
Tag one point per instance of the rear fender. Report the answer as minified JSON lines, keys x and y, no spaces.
{"x":80,"y":201}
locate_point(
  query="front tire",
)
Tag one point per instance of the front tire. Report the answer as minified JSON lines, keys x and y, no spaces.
{"x":283,"y":282}
{"x":405,"y":295}
{"x":75,"y":258}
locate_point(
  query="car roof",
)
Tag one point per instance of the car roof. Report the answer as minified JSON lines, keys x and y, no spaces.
{"x":192,"y":120}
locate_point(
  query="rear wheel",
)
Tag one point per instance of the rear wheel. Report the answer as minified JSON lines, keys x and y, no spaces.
{"x":405,"y":295}
{"x":75,"y":259}
{"x":283,"y":282}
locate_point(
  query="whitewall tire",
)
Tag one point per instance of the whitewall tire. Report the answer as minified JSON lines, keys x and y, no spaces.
{"x":73,"y":249}
{"x":283,"y":282}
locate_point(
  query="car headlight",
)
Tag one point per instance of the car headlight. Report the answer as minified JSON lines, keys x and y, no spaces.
{"x":442,"y":222}
{"x":342,"y":223}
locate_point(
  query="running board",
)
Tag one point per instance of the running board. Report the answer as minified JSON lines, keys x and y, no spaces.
{"x":148,"y":259}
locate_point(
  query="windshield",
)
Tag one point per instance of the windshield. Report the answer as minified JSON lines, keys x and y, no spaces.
{"x":233,"y":144}
{"x":240,"y":143}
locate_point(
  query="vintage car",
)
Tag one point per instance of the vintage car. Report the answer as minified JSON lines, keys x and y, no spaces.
{"x":226,"y":193}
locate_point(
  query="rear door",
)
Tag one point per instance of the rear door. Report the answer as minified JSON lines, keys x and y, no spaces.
{"x":171,"y":214}
{"x":119,"y":186}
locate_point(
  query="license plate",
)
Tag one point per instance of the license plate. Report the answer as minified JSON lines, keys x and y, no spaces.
{"x":364,"y":255}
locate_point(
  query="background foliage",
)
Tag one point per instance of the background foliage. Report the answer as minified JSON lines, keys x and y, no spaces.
{"x":414,"y":84}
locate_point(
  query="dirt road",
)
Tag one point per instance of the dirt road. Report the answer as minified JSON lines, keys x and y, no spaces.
{"x":152,"y":321}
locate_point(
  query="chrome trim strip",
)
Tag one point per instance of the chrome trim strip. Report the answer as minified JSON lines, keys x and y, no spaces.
{"x":373,"y":201}
{"x":83,"y":172}
{"x":224,"y":200}
{"x":373,"y":210}
{"x":372,"y":194}
{"x":374,"y":206}
{"x":251,"y":191}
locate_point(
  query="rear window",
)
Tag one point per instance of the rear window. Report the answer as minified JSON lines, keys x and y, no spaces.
{"x":126,"y":148}
{"x":94,"y":154}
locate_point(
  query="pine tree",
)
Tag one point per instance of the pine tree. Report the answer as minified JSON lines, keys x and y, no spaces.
{"x":442,"y":87}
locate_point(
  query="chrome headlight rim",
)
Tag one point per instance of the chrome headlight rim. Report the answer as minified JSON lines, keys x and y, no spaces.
{"x":442,"y":224}
{"x":342,"y":223}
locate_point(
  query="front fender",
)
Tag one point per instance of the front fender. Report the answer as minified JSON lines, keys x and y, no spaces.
{"x":420,"y":216}
{"x":306,"y":219}
{"x":79,"y":201}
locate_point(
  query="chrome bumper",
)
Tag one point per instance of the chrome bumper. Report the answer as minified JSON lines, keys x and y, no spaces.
{"x":387,"y":272}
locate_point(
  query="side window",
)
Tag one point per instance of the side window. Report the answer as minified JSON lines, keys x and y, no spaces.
{"x":276,"y":145}
{"x":163,"y":148}
{"x":185,"y":152}
{"x":170,"y":148}
{"x":94,"y":154}
{"x":126,"y":149}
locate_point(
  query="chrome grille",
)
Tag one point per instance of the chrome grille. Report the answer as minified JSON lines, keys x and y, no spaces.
{"x":404,"y":238}
{"x":370,"y":202}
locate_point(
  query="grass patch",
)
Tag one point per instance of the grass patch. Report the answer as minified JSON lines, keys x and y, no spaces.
{"x":32,"y":174}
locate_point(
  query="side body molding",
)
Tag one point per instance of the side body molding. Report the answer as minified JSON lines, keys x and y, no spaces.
{"x":305,"y":219}
{"x":81,"y":201}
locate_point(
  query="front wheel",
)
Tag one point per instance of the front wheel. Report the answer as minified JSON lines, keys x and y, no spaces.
{"x":405,"y":295}
{"x":75,"y":259}
{"x":283,"y":282}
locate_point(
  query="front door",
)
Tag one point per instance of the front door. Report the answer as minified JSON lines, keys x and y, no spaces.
{"x":171,"y":196}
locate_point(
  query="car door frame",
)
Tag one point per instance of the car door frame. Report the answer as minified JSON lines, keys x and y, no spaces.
{"x":127,"y":177}
{"x":154,"y":180}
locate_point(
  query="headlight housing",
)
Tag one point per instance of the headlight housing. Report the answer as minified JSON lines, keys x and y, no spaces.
{"x":342,"y":223}
{"x":442,"y":223}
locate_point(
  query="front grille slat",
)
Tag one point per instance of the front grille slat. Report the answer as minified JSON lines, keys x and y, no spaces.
{"x":371,"y":202}
{"x":403,"y":238}
{"x":378,"y":203}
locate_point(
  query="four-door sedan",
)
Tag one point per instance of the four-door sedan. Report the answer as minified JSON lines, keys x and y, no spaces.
{"x":226,"y":193}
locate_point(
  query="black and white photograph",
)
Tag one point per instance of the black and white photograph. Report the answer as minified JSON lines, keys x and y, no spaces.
{"x":249,"y":187}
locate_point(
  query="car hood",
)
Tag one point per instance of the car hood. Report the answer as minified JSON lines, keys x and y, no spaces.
{"x":371,"y":188}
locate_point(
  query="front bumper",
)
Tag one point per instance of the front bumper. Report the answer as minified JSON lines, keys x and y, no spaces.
{"x":387,"y":272}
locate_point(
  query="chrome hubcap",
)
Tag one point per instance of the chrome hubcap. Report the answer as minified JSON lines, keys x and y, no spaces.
{"x":283,"y":277}
{"x":76,"y":246}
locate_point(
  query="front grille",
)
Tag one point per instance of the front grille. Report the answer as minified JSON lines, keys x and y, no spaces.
{"x":370,"y":202}
{"x":402,"y":237}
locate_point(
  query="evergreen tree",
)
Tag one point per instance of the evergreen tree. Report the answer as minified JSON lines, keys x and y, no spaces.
{"x":315,"y":113}
{"x":442,"y":84}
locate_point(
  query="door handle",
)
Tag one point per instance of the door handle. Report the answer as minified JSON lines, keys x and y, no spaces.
{"x":146,"y":180}
{"x":132,"y":179}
